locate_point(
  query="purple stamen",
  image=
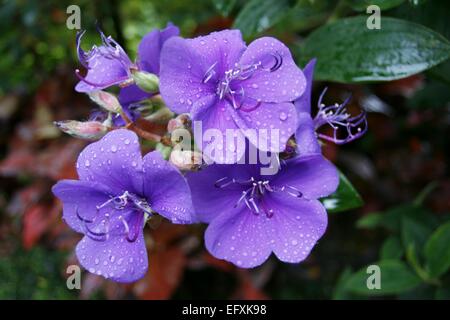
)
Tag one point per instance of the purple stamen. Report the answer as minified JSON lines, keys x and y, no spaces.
{"x":253,"y":192}
{"x":337,"y":117}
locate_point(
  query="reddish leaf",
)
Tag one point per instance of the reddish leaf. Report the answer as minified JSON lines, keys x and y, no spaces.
{"x":165,"y":273}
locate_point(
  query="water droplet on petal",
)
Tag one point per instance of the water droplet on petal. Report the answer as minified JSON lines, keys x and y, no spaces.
{"x":283,"y":116}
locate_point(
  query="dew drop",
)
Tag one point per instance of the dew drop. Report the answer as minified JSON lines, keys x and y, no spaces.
{"x":113,"y":148}
{"x":283,"y":116}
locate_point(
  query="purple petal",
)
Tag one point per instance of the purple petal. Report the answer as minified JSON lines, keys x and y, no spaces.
{"x":103,"y":72}
{"x":218,"y":116}
{"x":150,"y":48}
{"x":167,"y":188}
{"x":80,"y":198}
{"x":314,"y":176}
{"x":208,"y":197}
{"x":181,"y":75}
{"x":305,"y":135}
{"x":284,"y":84}
{"x":269,"y":119}
{"x":295,"y":226}
{"x":114,"y":161}
{"x":132,"y":94}
{"x":223,"y":48}
{"x":303,"y":104}
{"x":240,"y":237}
{"x":185,"y":62}
{"x":115,"y":258}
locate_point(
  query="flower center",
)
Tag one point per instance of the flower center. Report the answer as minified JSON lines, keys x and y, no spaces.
{"x":253,"y":193}
{"x":98,"y":228}
{"x":228,"y":87}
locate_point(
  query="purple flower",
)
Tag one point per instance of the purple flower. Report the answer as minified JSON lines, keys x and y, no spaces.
{"x":148,"y":60}
{"x":251,"y":215}
{"x":116,"y":192}
{"x":109,"y":65}
{"x":227,"y":85}
{"x":106,"y":65}
{"x":345,"y":127}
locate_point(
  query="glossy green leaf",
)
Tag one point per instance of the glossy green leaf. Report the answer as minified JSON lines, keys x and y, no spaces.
{"x":370,"y":221}
{"x":391,"y":249}
{"x":347,"y":51}
{"x":442,"y":294}
{"x":340,"y":292}
{"x":442,"y":73}
{"x":414,"y":233}
{"x":224,"y":6}
{"x":437,"y":251}
{"x":396,"y":277}
{"x":344,"y":198}
{"x":430,"y":13}
{"x":259,"y":15}
{"x":361,"y":5}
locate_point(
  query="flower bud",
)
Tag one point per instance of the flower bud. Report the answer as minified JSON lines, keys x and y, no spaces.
{"x":186,"y":159}
{"x":106,"y":100}
{"x":164,"y":150}
{"x":146,"y":81}
{"x":162,"y":115}
{"x":182,"y":121}
{"x":89,"y":130}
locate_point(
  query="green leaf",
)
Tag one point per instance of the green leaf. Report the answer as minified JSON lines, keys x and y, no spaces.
{"x":304,"y":15}
{"x":391,"y":249}
{"x":224,"y":6}
{"x":347,"y":51}
{"x":259,"y":15}
{"x":441,"y":72}
{"x":370,"y":221}
{"x":396,"y":277}
{"x":361,"y":5}
{"x":430,"y":13}
{"x":414,"y":233}
{"x":437,"y":251}
{"x":442,"y":294}
{"x":344,"y":198}
{"x":340,"y":292}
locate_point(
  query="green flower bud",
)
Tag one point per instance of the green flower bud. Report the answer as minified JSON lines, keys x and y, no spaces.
{"x":148,"y":82}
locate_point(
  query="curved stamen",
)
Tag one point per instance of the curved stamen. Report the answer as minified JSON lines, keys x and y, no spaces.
{"x":268,"y":212}
{"x":209,"y":73}
{"x":105,"y":84}
{"x":93,"y":234}
{"x":136,"y":229}
{"x":258,"y":104}
{"x":278,"y":61}
{"x":82,"y":218}
{"x":223,"y":182}
{"x":337,"y":117}
{"x":293,"y":191}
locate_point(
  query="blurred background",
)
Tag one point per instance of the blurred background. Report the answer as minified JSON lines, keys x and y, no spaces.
{"x":395,"y":214}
